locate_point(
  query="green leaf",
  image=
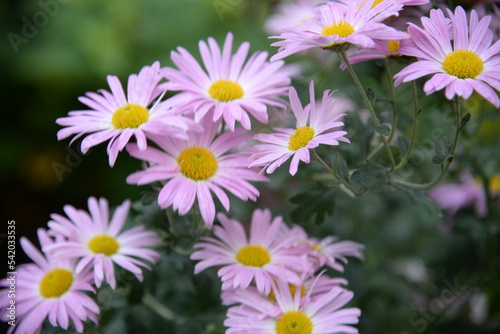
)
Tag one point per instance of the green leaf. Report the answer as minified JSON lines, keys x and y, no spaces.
{"x":403,"y":144}
{"x":341,"y":167}
{"x":371,"y":96}
{"x":464,"y":121}
{"x":370,"y":175}
{"x":313,"y":204}
{"x":438,"y":159}
{"x":382,"y":130}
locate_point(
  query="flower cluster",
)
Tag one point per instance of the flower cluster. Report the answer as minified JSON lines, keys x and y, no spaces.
{"x":271,"y":274}
{"x":79,"y":251}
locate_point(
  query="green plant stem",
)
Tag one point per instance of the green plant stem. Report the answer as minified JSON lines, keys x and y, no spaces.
{"x":416,"y":112}
{"x":355,"y":78}
{"x":448,"y":161}
{"x":161,"y":309}
{"x":392,"y":100}
{"x":346,"y":186}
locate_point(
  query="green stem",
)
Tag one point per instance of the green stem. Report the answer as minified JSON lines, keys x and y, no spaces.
{"x":346,"y":186}
{"x":416,"y":111}
{"x":392,"y":100}
{"x":161,"y":309}
{"x":448,"y":161}
{"x":355,"y":78}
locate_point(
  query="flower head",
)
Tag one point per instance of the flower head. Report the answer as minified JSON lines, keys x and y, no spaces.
{"x":470,"y":63}
{"x":257,"y":258}
{"x":99,"y":242}
{"x":341,"y":25}
{"x":117,"y":118}
{"x":196,"y":168}
{"x":49,"y":288}
{"x":315,"y":126}
{"x":228,"y":88}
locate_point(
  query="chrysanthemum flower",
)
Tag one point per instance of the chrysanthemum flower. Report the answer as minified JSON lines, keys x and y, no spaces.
{"x":291,"y":14}
{"x":392,"y":49}
{"x":196,"y":168}
{"x":329,"y":250}
{"x":314,"y":127}
{"x":338,"y":24}
{"x":257,"y":258}
{"x":117,"y":118}
{"x":48,"y":288}
{"x":403,"y":2}
{"x":100,"y":242}
{"x":293,"y":313}
{"x":470,"y":64}
{"x":228,"y":88}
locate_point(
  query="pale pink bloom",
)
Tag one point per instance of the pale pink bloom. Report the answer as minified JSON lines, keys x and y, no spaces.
{"x":290,"y":14}
{"x":100,"y":241}
{"x":337,"y":24}
{"x":258,"y":314}
{"x":470,"y":63}
{"x":257,"y":258}
{"x":455,"y":196}
{"x":329,"y":250}
{"x":403,"y":2}
{"x":381,"y":49}
{"x":315,"y":126}
{"x":117,"y":118}
{"x":48,"y":288}
{"x":228,"y":88}
{"x":196,"y":168}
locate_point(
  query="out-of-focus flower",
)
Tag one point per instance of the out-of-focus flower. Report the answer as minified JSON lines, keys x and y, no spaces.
{"x":315,"y":126}
{"x":470,"y":64}
{"x":117,"y":118}
{"x":196,"y":168}
{"x":257,"y":258}
{"x":48,"y":288}
{"x":100,"y":242}
{"x":340,"y":25}
{"x":228,"y":88}
{"x":290,"y":14}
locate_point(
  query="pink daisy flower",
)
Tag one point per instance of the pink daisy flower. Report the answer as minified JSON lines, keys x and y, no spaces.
{"x":228,"y":88}
{"x":392,"y":49}
{"x":117,"y":118}
{"x":99,"y":242}
{"x":257,"y":258}
{"x":291,"y":14}
{"x":48,"y":288}
{"x":470,"y":64}
{"x":329,"y":250}
{"x":315,"y":126}
{"x":196,"y":168}
{"x":292,"y":313}
{"x":403,"y":2}
{"x":338,"y":24}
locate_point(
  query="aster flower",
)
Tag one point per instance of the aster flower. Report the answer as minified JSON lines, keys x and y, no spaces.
{"x":328,"y":250}
{"x":117,"y":118}
{"x":228,"y":88}
{"x":315,"y":126}
{"x":403,"y":2}
{"x":292,"y":313}
{"x":340,"y":25}
{"x":470,"y":64}
{"x":392,"y":49}
{"x":291,"y":14}
{"x":49,"y":288}
{"x":99,"y":242}
{"x":196,"y":168}
{"x":257,"y":258}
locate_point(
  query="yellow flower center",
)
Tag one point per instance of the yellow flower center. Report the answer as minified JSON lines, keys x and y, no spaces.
{"x":55,"y":283}
{"x":300,"y":137}
{"x":376,"y":2}
{"x":253,"y":255}
{"x":495,"y":184}
{"x":130,"y":116}
{"x":103,"y":244}
{"x":293,"y":289}
{"x":341,"y":28}
{"x":393,"y":45}
{"x":463,"y":64}
{"x":197,"y":163}
{"x":317,"y":248}
{"x":225,"y":90}
{"x":294,"y":322}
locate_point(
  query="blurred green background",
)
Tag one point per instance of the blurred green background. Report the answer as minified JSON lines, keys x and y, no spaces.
{"x":55,"y":51}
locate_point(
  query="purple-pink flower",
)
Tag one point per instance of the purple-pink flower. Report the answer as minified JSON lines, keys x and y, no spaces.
{"x":458,"y":53}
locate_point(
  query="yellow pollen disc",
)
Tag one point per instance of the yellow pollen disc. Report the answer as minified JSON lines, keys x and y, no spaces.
{"x":225,"y":90}
{"x":294,"y":322}
{"x":495,"y":184}
{"x":316,"y":247}
{"x":463,"y":64}
{"x":253,"y":255}
{"x":103,"y":244}
{"x":393,"y":45}
{"x":293,"y":289}
{"x":341,"y":28}
{"x":55,"y":283}
{"x":197,"y":163}
{"x":130,"y":116}
{"x":300,"y":137}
